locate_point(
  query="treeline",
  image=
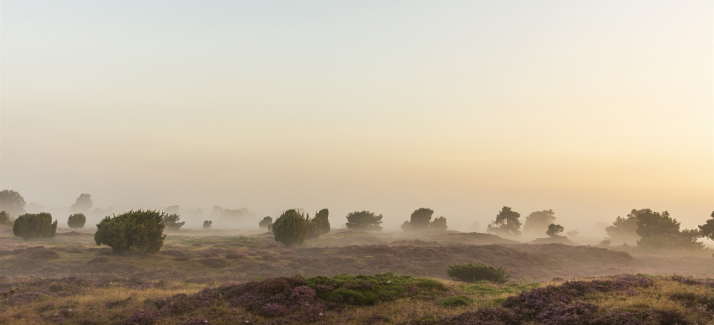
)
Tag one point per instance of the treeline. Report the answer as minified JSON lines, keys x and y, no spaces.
{"x":643,"y":228}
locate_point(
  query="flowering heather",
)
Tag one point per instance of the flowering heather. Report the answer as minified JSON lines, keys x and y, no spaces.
{"x":533,"y":302}
{"x":142,"y":317}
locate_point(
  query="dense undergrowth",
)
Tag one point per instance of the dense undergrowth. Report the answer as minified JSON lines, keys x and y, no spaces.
{"x":359,"y":299}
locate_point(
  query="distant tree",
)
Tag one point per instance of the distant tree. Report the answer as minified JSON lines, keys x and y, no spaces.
{"x":265,"y":222}
{"x":623,"y":230}
{"x":538,"y":222}
{"x":193,"y":213}
{"x":83,"y":204}
{"x":38,"y":225}
{"x":707,"y":229}
{"x":323,"y":221}
{"x":172,"y":221}
{"x":660,"y":231}
{"x":406,"y":226}
{"x":6,"y":219}
{"x":420,"y":218}
{"x":76,"y":221}
{"x":172,"y":209}
{"x":217,"y":211}
{"x":438,"y":224}
{"x":12,"y":202}
{"x":319,"y":225}
{"x":364,"y":220}
{"x":207,"y":224}
{"x":506,"y":223}
{"x":573,"y":233}
{"x":290,"y":228}
{"x":138,"y":232}
{"x":554,"y":230}
{"x":652,"y":224}
{"x":475,"y":226}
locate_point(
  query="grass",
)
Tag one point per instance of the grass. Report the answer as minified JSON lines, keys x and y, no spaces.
{"x":372,"y":289}
{"x":434,"y":300}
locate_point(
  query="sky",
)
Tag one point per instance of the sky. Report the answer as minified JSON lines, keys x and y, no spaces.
{"x":589,"y":108}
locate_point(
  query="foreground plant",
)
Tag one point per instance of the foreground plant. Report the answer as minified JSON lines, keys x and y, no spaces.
{"x":37,"y":225}
{"x":138,"y":232}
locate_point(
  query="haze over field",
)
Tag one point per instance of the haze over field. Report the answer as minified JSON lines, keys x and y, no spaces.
{"x":587,"y":108}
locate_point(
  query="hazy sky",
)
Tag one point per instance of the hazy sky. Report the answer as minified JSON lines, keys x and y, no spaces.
{"x":590,"y":108}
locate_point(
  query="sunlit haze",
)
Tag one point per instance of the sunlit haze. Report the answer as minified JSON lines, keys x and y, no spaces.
{"x":589,"y":108}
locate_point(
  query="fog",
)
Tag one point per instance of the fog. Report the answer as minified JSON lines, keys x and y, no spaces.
{"x":576,"y":108}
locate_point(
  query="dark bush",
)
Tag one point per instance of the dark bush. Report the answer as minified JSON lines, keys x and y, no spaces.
{"x":134,"y":231}
{"x":263,"y":224}
{"x":76,"y":221}
{"x":455,"y":301}
{"x":438,"y":224}
{"x":38,"y":225}
{"x":172,"y":221}
{"x":319,"y":225}
{"x":290,"y":228}
{"x":207,"y":224}
{"x":477,"y":272}
{"x":420,"y":218}
{"x":554,"y":230}
{"x":364,"y":220}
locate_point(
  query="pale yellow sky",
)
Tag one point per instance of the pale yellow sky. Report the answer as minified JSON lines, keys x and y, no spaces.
{"x":590,"y":109}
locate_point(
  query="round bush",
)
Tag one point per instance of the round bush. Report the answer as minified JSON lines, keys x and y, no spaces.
{"x":134,"y":231}
{"x":76,"y":221}
{"x":207,"y":224}
{"x":478,"y":272}
{"x":290,"y":228}
{"x":38,"y":225}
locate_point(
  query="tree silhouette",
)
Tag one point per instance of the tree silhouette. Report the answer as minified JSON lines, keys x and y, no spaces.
{"x":83,"y":204}
{"x":364,"y":220}
{"x":12,"y":202}
{"x":506,"y":223}
{"x":554,"y":230}
{"x":538,"y":221}
{"x":707,"y":229}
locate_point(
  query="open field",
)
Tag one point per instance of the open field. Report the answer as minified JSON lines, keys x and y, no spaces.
{"x":69,"y":279}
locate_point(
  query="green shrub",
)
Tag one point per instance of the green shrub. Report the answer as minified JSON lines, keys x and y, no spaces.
{"x":5,"y":219}
{"x":76,"y":221}
{"x":364,"y":220}
{"x":371,"y":289}
{"x":438,"y":224}
{"x":319,"y":225}
{"x":290,"y":228}
{"x":134,"y":231}
{"x":455,"y":301}
{"x":477,"y":272}
{"x":38,"y":225}
{"x":172,"y":221}
{"x":265,"y":222}
{"x":207,"y":224}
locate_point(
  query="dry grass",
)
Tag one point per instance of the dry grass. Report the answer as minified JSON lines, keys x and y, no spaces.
{"x":89,"y":305}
